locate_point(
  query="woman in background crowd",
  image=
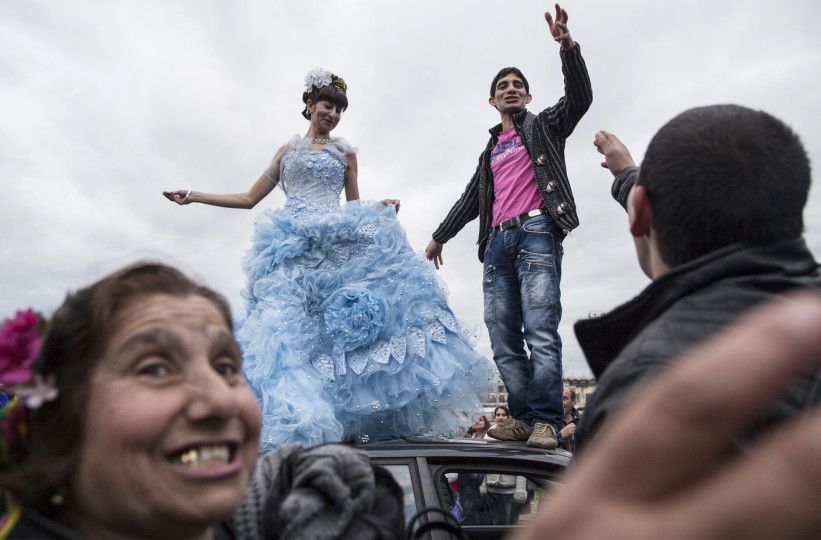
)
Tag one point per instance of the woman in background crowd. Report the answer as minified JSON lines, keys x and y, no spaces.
{"x":479,"y":428}
{"x":501,"y":415}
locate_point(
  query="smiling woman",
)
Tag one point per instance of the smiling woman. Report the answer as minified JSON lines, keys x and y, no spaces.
{"x":153,"y":428}
{"x":171,"y":426}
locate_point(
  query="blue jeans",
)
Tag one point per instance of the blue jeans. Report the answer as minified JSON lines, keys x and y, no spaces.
{"x":502,"y":509}
{"x":522,"y":272}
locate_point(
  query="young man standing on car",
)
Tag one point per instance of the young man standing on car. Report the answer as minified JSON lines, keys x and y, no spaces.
{"x":522,"y":196}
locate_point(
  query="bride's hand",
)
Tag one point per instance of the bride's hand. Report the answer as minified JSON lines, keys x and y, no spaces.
{"x":179,"y":196}
{"x":394,"y":202}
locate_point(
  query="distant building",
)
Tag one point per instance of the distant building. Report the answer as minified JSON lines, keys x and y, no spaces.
{"x":584,"y":387}
{"x":499,"y":397}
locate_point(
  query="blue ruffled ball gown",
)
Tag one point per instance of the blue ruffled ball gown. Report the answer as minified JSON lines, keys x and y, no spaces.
{"x":345,"y":331}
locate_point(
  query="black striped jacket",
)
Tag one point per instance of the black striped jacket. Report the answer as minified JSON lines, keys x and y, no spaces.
{"x":544,"y":137}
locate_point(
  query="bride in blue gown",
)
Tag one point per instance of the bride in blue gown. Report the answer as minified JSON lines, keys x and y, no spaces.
{"x":345,"y":331}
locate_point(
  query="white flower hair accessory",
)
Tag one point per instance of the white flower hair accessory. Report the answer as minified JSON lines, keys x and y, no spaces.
{"x":317,"y":77}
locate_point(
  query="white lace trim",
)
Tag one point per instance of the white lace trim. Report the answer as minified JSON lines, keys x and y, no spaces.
{"x":415,"y":341}
{"x":339,"y":147}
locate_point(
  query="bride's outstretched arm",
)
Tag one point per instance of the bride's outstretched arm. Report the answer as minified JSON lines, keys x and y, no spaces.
{"x":261,"y":188}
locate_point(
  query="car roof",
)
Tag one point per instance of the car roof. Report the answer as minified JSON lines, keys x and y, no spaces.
{"x":455,"y":450}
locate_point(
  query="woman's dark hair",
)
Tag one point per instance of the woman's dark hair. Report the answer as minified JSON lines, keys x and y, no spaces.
{"x":334,"y":93}
{"x":77,"y":336}
{"x":503,"y":407}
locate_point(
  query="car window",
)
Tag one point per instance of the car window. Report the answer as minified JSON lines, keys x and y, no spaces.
{"x":401,"y":473}
{"x":492,"y":497}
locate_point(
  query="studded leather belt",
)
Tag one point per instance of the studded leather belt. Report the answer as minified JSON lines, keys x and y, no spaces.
{"x":518,"y":220}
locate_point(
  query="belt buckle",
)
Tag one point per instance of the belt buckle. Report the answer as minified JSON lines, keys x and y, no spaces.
{"x":534,"y":213}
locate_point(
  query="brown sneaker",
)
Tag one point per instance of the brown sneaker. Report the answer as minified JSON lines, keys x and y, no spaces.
{"x":543,"y":436}
{"x":512,"y":431}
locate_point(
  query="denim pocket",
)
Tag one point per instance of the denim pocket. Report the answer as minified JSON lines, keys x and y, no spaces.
{"x":539,"y":279}
{"x":539,"y":225}
{"x":488,"y":288}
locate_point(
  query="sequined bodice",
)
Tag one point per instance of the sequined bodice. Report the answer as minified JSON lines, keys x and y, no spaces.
{"x":312,"y":180}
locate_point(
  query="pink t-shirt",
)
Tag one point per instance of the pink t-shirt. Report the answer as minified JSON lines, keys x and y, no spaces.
{"x":514,"y":185}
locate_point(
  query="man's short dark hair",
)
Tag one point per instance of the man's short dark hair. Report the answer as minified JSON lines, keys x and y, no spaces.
{"x":504,"y":72}
{"x":724,"y":174}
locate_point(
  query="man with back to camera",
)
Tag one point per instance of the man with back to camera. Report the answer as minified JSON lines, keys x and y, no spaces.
{"x":716,"y":215}
{"x":522,"y":196}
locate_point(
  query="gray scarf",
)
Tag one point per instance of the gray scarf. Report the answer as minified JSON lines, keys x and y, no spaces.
{"x":327,"y":492}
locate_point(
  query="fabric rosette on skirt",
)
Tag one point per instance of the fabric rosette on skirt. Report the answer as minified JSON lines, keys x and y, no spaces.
{"x":318,"y":286}
{"x":354,"y":317}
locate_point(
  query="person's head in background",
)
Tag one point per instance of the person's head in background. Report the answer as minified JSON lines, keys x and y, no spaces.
{"x":480,"y":426}
{"x":501,"y":415}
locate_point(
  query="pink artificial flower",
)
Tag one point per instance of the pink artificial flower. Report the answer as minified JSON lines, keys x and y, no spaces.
{"x":40,"y":391}
{"x":20,"y":340}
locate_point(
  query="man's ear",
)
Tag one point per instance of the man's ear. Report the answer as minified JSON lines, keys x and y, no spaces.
{"x":640,"y":212}
{"x":528,"y":99}
{"x":492,"y":102}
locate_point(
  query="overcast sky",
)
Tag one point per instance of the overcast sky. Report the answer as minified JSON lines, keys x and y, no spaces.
{"x":104,"y":104}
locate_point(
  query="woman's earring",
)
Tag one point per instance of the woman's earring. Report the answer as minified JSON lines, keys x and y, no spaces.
{"x":57,"y":499}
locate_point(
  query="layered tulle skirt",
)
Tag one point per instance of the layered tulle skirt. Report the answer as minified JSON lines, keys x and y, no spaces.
{"x":346,"y":332}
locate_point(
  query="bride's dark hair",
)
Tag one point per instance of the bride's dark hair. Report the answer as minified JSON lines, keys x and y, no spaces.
{"x":334,"y":93}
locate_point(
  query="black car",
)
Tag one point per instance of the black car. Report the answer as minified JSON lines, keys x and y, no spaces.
{"x":490,"y":486}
